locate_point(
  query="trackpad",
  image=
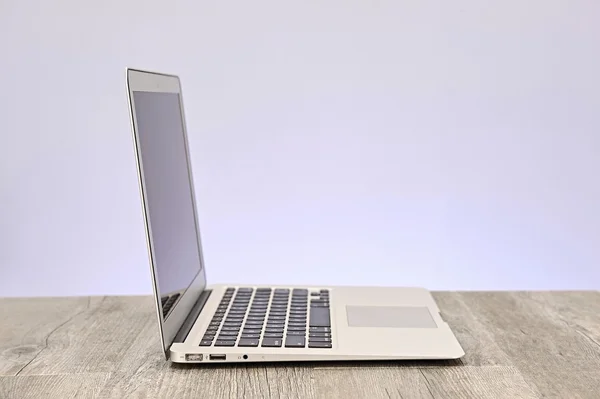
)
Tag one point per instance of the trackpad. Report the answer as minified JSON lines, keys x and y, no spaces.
{"x":390,"y":317}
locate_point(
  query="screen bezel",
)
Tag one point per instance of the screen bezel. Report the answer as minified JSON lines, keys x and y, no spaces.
{"x":138,"y":80}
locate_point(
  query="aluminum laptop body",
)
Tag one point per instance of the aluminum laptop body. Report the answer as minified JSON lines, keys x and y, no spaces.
{"x":217,"y":323}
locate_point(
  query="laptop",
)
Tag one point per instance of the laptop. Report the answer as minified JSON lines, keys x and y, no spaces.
{"x":233,"y":323}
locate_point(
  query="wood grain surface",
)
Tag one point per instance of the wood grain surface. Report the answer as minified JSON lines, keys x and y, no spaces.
{"x":517,"y":344}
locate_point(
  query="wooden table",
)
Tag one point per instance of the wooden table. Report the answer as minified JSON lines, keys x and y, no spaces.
{"x":518,"y":345}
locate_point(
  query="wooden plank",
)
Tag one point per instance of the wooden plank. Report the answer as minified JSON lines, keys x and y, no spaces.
{"x":479,"y":382}
{"x":551,"y":355}
{"x":52,"y":386}
{"x":29,"y":327}
{"x":577,"y":309}
{"x":108,"y":334}
{"x":176,"y":382}
{"x":478,"y":341}
{"x":371,"y":382}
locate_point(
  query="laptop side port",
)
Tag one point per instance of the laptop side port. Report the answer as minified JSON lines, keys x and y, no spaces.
{"x":193,"y":357}
{"x":217,"y":357}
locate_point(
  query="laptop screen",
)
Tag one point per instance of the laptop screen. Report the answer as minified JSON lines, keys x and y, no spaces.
{"x":169,"y":206}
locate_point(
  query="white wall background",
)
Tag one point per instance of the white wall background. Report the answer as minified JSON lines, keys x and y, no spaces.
{"x":454,"y":145}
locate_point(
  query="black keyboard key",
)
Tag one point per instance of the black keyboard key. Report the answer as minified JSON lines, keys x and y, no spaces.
{"x":303,"y":333}
{"x":320,"y":317}
{"x":302,"y":291}
{"x":225,"y":343}
{"x":319,"y":334}
{"x":251,"y":331}
{"x":295,"y":341}
{"x":271,"y":342}
{"x":319,"y":339}
{"x":273,"y":330}
{"x":245,"y":289}
{"x":212,"y":328}
{"x":209,"y":336}
{"x":257,"y":315}
{"x":235,"y":313}
{"x":277,"y":314}
{"x":296,"y":328}
{"x":254,"y":322}
{"x":320,"y":329}
{"x":206,"y":342}
{"x":250,"y":336}
{"x":261,"y":311}
{"x":282,"y":291}
{"x":319,"y":344}
{"x":248,"y":342}
{"x":297,"y":325}
{"x":224,"y":333}
{"x":274,"y":335}
{"x":276,"y":318}
{"x":230,"y":328}
{"x":222,"y":337}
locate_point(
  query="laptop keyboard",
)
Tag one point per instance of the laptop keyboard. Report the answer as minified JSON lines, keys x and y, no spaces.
{"x":272,"y":318}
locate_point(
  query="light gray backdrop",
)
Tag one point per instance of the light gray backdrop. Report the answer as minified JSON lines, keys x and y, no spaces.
{"x":450,"y":144}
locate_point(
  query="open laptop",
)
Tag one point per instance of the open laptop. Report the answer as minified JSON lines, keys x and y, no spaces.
{"x":218,"y":323}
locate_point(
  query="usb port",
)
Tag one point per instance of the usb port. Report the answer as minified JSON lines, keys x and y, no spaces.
{"x":217,"y":357}
{"x":193,"y":357}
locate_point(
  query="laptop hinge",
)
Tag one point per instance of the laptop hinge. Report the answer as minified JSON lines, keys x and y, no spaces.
{"x":191,"y":318}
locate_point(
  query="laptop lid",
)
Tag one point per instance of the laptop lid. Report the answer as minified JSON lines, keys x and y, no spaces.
{"x":168,"y":198}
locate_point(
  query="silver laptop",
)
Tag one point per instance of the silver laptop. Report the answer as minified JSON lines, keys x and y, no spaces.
{"x":210,"y":324}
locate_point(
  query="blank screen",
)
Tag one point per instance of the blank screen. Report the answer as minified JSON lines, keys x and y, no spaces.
{"x":169,"y":206}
